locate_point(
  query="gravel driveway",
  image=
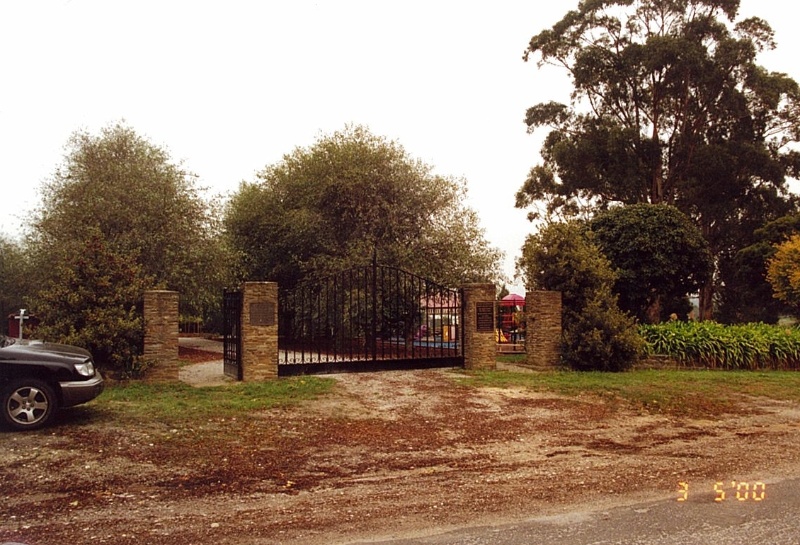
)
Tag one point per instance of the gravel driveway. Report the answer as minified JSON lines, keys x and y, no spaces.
{"x":386,"y":455}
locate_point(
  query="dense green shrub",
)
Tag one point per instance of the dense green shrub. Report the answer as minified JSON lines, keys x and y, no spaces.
{"x":600,"y":337}
{"x":709,"y":344}
{"x":659,"y":256}
{"x":597,"y":335}
{"x":93,"y":301}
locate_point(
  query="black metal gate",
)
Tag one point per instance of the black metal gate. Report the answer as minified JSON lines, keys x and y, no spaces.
{"x":369,"y":318}
{"x":232,"y":333}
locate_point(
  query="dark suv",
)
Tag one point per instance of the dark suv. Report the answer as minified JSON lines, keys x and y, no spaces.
{"x":36,"y":378}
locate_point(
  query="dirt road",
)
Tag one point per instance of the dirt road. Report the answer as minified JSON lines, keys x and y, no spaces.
{"x":387,"y":455}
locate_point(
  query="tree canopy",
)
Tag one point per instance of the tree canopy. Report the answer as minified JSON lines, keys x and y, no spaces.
{"x":127,"y":190}
{"x":352,"y":194}
{"x":669,"y":106}
{"x":117,"y":217}
{"x":659,"y":255}
{"x":92,"y":299}
{"x":747,"y":296}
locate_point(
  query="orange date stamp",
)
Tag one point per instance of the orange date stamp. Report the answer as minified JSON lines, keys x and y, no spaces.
{"x":741,"y":491}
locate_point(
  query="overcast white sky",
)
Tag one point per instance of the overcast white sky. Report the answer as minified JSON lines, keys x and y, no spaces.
{"x":229,"y":87}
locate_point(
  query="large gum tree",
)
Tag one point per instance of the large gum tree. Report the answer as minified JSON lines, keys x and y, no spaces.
{"x":669,"y":107}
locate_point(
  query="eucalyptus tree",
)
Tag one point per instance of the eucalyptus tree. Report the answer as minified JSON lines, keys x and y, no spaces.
{"x":669,"y":106}
{"x":350,"y":196}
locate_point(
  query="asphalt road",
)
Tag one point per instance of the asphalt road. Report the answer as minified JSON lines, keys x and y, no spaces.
{"x":700,"y":519}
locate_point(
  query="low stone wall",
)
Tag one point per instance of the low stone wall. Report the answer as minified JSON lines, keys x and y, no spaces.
{"x":658,"y":361}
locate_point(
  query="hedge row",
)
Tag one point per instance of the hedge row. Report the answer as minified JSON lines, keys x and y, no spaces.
{"x":717,"y":346}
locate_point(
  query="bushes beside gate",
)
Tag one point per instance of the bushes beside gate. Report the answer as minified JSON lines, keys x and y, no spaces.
{"x":717,"y":346}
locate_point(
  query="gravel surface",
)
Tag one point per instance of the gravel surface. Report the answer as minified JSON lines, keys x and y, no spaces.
{"x":208,"y":371}
{"x":386,"y":455}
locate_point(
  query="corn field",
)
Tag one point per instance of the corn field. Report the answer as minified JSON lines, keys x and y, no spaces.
{"x":717,"y":346}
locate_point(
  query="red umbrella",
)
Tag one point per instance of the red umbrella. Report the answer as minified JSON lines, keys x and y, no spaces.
{"x":513,"y":300}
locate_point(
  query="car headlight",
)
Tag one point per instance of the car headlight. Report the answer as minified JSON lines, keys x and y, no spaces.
{"x":85,"y":369}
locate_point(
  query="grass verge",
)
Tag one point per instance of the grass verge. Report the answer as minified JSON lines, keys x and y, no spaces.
{"x":176,"y":402}
{"x":691,"y":393}
{"x":686,"y":393}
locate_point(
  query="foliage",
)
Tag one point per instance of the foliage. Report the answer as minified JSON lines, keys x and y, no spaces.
{"x":121,"y":187}
{"x":14,"y":283}
{"x":562,"y":257}
{"x":658,"y":254}
{"x":119,"y":200}
{"x":600,"y":337}
{"x":92,"y":299}
{"x":669,"y":106}
{"x":329,"y":207}
{"x":710,"y":344}
{"x":747,"y":296}
{"x":783,"y":272}
{"x":596,"y":334}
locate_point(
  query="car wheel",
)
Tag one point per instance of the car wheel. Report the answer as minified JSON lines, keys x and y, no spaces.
{"x":28,"y":403}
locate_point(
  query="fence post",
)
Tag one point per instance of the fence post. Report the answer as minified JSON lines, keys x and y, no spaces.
{"x":259,"y":333}
{"x":479,"y":326}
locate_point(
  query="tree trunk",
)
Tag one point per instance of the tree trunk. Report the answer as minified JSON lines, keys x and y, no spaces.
{"x":653,"y":312}
{"x":707,"y":300}
{"x":657,"y":182}
{"x":706,"y":303}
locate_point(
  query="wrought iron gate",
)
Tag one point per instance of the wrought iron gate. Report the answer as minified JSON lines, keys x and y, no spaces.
{"x":232,"y":333}
{"x":369,"y":318}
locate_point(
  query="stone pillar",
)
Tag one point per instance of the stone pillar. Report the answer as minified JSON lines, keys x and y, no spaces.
{"x":259,"y":336}
{"x":161,"y":326}
{"x":479,"y":326}
{"x":543,"y":329}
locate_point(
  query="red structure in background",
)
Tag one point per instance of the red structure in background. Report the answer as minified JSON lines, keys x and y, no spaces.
{"x":30,"y":320}
{"x":507,"y":309}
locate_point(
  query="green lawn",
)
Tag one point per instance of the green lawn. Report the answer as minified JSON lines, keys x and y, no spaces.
{"x":176,"y":402}
{"x":678,"y":392}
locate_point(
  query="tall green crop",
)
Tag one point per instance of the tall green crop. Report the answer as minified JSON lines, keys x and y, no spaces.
{"x":717,"y":346}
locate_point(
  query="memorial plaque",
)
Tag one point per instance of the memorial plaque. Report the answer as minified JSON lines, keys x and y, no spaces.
{"x":484,"y":317}
{"x":262,"y":314}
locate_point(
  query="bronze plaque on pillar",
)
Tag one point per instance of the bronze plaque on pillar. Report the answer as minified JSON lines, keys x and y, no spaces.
{"x":484,"y":317}
{"x":262,"y":314}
